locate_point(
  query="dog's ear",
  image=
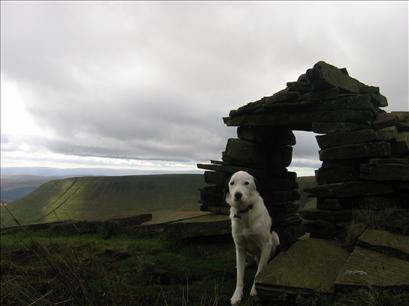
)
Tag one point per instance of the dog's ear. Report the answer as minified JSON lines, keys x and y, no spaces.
{"x":256,"y":183}
{"x":226,"y":193}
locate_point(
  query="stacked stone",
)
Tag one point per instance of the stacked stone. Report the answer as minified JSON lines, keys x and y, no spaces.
{"x":365,"y":151}
{"x":265,"y":153}
{"x":361,"y":169}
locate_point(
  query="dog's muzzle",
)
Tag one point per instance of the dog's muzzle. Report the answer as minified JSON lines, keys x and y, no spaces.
{"x":237,"y":196}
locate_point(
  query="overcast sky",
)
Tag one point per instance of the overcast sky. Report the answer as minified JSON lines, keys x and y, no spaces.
{"x":145,"y":85}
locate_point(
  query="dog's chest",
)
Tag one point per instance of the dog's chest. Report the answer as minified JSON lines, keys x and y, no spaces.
{"x":248,"y":233}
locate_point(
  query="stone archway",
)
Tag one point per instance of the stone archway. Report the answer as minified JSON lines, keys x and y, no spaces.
{"x":364,"y":152}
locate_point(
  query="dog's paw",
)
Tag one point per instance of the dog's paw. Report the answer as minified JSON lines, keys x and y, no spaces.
{"x":253,"y":291}
{"x":236,"y":298}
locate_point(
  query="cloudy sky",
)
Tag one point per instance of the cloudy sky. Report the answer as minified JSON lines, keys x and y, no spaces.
{"x":144,"y":86}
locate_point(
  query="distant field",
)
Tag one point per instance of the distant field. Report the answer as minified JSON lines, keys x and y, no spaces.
{"x":105,"y":197}
{"x":303,"y":183}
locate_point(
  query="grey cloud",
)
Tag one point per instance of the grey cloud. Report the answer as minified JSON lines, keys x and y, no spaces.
{"x":153,"y":80}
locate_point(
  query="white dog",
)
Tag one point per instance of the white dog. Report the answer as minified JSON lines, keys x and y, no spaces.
{"x":251,"y":228}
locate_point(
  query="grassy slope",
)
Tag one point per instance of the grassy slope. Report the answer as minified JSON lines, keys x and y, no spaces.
{"x":87,"y":198}
{"x":106,"y":197}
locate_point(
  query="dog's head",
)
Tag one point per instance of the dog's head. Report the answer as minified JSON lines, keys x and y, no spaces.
{"x":241,"y":190}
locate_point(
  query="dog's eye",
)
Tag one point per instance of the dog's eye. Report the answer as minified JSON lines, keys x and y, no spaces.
{"x":231,"y":183}
{"x":246,"y":183}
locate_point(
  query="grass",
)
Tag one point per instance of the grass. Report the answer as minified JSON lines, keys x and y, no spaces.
{"x":40,"y":268}
{"x":90,"y":270}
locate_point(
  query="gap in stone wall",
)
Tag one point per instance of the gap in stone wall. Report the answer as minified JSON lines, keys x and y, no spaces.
{"x":305,"y":161}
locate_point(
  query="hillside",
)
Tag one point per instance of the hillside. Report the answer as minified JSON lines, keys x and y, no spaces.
{"x":90,"y":198}
{"x":105,"y":197}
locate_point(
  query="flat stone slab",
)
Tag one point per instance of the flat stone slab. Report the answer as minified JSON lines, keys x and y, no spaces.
{"x":266,"y":135}
{"x":350,"y":189}
{"x":301,"y":120}
{"x":370,"y":268}
{"x":356,"y":151}
{"x":338,"y":139}
{"x":324,"y":75}
{"x":385,"y":242}
{"x":187,"y":224}
{"x":165,"y":217}
{"x":327,"y":215}
{"x":309,"y":265}
{"x":245,"y":152}
{"x":205,"y":226}
{"x":337,"y":127}
{"x":385,"y":172}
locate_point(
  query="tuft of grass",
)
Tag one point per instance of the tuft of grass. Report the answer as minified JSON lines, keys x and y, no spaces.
{"x":90,"y":270}
{"x":371,"y":296}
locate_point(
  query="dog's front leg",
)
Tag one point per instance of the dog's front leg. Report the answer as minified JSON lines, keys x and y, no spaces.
{"x":240,"y":266}
{"x":264,"y":256}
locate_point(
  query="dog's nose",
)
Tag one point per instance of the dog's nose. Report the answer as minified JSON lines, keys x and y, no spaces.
{"x":237,"y":196}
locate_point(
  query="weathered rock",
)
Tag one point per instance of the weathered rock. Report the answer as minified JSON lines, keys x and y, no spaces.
{"x":385,"y":242}
{"x":354,"y":137}
{"x":301,"y":120}
{"x":356,"y":151}
{"x":281,"y":96}
{"x":338,"y":127}
{"x":347,"y":102}
{"x":392,"y":160}
{"x":282,"y":207}
{"x":379,"y":100}
{"x":230,"y":169}
{"x":403,"y":186}
{"x":241,"y":150}
{"x":274,"y":184}
{"x":289,"y":233}
{"x":385,"y":172}
{"x":272,"y":197}
{"x":370,"y":268}
{"x":212,"y":194}
{"x":299,"y":87}
{"x":376,"y":202}
{"x":353,"y":231}
{"x":400,"y":147}
{"x":333,"y":172}
{"x":350,"y":189}
{"x":403,"y":121}
{"x":329,"y":204}
{"x":245,"y":153}
{"x":402,"y":116}
{"x":327,"y":215}
{"x":216,"y":178}
{"x":388,"y":133}
{"x":366,"y":89}
{"x":384,"y":120}
{"x":321,"y":228}
{"x":323,"y":76}
{"x":308,"y":266}
{"x":322,"y":95}
{"x":257,"y":172}
{"x":262,"y":134}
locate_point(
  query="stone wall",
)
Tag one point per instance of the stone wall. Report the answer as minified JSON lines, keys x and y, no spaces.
{"x":364,"y":150}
